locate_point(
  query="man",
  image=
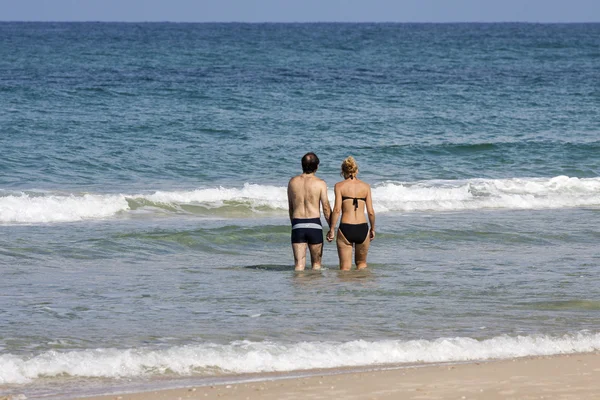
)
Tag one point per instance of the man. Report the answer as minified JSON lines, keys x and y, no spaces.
{"x":306,"y":193}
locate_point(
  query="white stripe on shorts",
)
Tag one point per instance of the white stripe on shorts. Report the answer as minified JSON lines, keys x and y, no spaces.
{"x":310,"y":225}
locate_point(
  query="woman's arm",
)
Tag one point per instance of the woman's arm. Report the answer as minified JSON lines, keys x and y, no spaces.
{"x":335,"y":214}
{"x":371,"y":214}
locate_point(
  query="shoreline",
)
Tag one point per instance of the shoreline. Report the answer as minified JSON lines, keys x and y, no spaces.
{"x":561,"y":376}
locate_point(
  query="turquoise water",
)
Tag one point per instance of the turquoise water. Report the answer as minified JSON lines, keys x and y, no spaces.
{"x":144,"y":234}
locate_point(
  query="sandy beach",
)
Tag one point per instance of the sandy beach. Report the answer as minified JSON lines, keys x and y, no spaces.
{"x":560,"y":377}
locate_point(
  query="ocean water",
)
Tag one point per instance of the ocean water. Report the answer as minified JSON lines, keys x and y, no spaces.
{"x":144,"y":235}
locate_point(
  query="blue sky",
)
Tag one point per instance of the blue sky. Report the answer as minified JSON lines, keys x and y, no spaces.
{"x":302,"y":10}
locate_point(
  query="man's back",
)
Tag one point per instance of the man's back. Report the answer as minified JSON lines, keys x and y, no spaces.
{"x":305,"y":193}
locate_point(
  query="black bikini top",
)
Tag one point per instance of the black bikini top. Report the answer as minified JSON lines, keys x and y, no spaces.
{"x":354,"y":200}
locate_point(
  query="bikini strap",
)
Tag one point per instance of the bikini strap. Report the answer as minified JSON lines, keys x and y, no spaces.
{"x":354,"y":200}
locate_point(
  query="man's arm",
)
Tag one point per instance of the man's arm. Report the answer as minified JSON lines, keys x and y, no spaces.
{"x":325,"y":203}
{"x":335,"y":214}
{"x":290,"y":200}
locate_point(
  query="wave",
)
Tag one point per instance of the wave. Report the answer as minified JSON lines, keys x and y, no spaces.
{"x":259,"y":357}
{"x":476,"y":194}
{"x":253,"y":199}
{"x":42,"y":207}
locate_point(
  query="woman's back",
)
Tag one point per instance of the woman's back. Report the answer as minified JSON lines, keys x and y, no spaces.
{"x":352,"y":198}
{"x":354,"y":194}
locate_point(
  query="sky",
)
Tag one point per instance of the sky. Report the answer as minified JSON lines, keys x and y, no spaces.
{"x":302,"y":10}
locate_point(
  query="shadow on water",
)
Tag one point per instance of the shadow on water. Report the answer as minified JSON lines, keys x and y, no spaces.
{"x":276,"y":268}
{"x":270,"y":267}
{"x":572,"y":305}
{"x":351,"y":275}
{"x":310,"y":275}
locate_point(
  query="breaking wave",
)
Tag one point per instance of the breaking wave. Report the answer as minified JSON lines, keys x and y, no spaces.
{"x":255,"y":357}
{"x":253,"y":199}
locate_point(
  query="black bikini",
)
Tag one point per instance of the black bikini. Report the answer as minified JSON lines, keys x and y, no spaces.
{"x":354,"y":200}
{"x":355,"y":233}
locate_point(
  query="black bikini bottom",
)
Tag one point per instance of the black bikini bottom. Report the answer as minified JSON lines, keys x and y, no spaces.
{"x":355,"y":233}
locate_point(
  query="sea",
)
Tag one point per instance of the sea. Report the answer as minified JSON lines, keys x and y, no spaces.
{"x":144,"y":229}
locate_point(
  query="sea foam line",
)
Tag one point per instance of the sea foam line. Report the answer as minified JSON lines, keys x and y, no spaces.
{"x":434,"y":196}
{"x":256,"y":357}
{"x":41,"y":208}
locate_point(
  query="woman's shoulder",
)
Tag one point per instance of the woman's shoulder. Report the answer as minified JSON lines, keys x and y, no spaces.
{"x":364,"y":189}
{"x":365,"y":185}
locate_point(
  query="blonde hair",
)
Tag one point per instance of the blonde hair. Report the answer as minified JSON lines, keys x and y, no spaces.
{"x":349,"y":168}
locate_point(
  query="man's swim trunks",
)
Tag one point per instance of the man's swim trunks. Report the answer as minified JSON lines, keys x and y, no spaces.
{"x":307,"y":230}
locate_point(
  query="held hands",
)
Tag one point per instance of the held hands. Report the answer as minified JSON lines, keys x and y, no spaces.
{"x":330,"y":235}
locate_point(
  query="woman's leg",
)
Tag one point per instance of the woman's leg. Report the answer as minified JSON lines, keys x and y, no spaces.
{"x":361,"y":251}
{"x":344,"y":251}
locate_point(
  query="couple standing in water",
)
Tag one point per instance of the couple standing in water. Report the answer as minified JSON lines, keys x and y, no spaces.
{"x":307,"y":194}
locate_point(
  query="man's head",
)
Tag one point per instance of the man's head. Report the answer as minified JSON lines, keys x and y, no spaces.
{"x":310,"y":163}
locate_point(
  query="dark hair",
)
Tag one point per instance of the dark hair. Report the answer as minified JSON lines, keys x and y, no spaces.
{"x":310,"y":163}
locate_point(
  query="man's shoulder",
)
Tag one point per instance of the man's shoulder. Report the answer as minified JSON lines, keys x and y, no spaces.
{"x":294,"y":178}
{"x":320,"y":182}
{"x":308,"y":182}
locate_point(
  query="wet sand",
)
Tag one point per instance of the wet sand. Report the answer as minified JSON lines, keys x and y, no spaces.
{"x":558,"y":377}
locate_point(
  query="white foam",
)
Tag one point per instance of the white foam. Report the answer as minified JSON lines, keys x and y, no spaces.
{"x":26,"y":208}
{"x":256,"y":357}
{"x":517,"y":193}
{"x":250,"y":194}
{"x":435,"y":196}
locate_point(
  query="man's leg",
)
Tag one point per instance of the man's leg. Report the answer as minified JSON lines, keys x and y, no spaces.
{"x":299,"y":256}
{"x":316,"y":253}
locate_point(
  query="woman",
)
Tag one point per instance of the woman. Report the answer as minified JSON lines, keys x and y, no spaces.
{"x":351,"y":197}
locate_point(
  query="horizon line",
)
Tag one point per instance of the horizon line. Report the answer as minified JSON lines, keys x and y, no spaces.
{"x":298,"y":22}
